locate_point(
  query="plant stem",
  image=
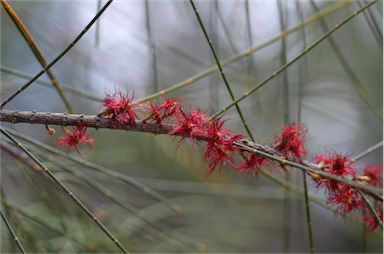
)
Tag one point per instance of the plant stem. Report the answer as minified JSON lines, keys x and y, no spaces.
{"x":10,"y":229}
{"x":326,"y":11}
{"x":36,"y":51}
{"x":221,"y":70}
{"x":46,"y":68}
{"x":66,"y":190}
{"x":299,"y":56}
{"x":93,"y":121}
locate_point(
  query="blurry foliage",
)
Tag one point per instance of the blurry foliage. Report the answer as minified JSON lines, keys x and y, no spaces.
{"x":147,"y":46}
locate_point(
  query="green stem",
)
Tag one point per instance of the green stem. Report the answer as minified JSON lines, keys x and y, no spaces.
{"x":124,"y":178}
{"x":374,"y":192}
{"x":348,"y":70}
{"x":372,"y":209}
{"x":368,"y":151}
{"x":221,"y":69}
{"x":10,"y":229}
{"x":84,"y":94}
{"x":66,"y":190}
{"x":308,"y":215}
{"x":326,"y":11}
{"x":284,"y":67}
{"x":46,"y":68}
{"x":36,"y":51}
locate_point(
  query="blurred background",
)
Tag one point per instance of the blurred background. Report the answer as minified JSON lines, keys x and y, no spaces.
{"x":148,"y":46}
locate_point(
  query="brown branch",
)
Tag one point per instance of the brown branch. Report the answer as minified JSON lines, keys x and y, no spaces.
{"x":94,"y":121}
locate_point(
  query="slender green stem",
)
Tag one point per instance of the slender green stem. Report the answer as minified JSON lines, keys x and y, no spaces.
{"x":372,"y":209}
{"x":368,"y":151}
{"x":46,"y":68}
{"x":10,"y":229}
{"x":326,"y":11}
{"x":284,"y":67}
{"x":66,"y":190}
{"x":286,"y":120}
{"x":42,"y":193}
{"x":374,"y":192}
{"x":308,"y":215}
{"x":152,"y":47}
{"x":302,"y":72}
{"x":348,"y":70}
{"x":375,"y":28}
{"x":221,"y":69}
{"x":84,"y":94}
{"x":38,"y":220}
{"x":126,"y":206}
{"x":97,"y":33}
{"x":36,"y":51}
{"x":106,"y":171}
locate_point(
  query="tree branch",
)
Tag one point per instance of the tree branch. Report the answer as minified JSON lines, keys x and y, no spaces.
{"x":94,"y":121}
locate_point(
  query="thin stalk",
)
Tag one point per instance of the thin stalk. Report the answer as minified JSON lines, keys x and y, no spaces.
{"x":46,"y":68}
{"x":365,"y":227}
{"x":10,"y":229}
{"x":126,"y":206}
{"x":221,"y":69}
{"x":38,"y":220}
{"x":152,"y":47}
{"x":124,"y":178}
{"x":70,"y":89}
{"x":375,"y":28}
{"x":299,"y":56}
{"x":214,"y":84}
{"x":326,"y":11}
{"x":308,"y":215}
{"x":302,"y":72}
{"x":348,"y":69}
{"x":374,"y":192}
{"x":286,"y":120}
{"x":368,"y":151}
{"x":97,"y":33}
{"x":372,"y":209}
{"x":23,"y":158}
{"x":36,"y":51}
{"x":66,"y":190}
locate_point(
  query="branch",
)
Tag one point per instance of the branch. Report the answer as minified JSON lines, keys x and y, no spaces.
{"x":94,"y":121}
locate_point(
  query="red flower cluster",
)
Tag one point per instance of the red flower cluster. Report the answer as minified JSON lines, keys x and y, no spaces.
{"x":374,"y":173}
{"x":221,"y":149}
{"x":291,"y":141}
{"x":75,"y":137}
{"x":120,"y":106}
{"x":220,"y":145}
{"x":341,"y":195}
{"x":159,"y":112}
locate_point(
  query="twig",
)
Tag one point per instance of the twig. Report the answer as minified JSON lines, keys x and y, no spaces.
{"x":93,"y":121}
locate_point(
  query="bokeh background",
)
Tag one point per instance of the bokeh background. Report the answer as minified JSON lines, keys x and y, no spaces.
{"x":147,"y":46}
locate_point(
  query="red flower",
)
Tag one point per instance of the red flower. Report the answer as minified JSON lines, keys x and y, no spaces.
{"x":252,"y":163}
{"x":190,"y":125}
{"x":291,"y":141}
{"x":120,"y":106}
{"x":346,"y":199}
{"x":159,"y":112}
{"x":372,"y":222}
{"x":219,"y":145}
{"x":338,"y":165}
{"x":322,"y":160}
{"x":75,"y":137}
{"x":375,"y":174}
